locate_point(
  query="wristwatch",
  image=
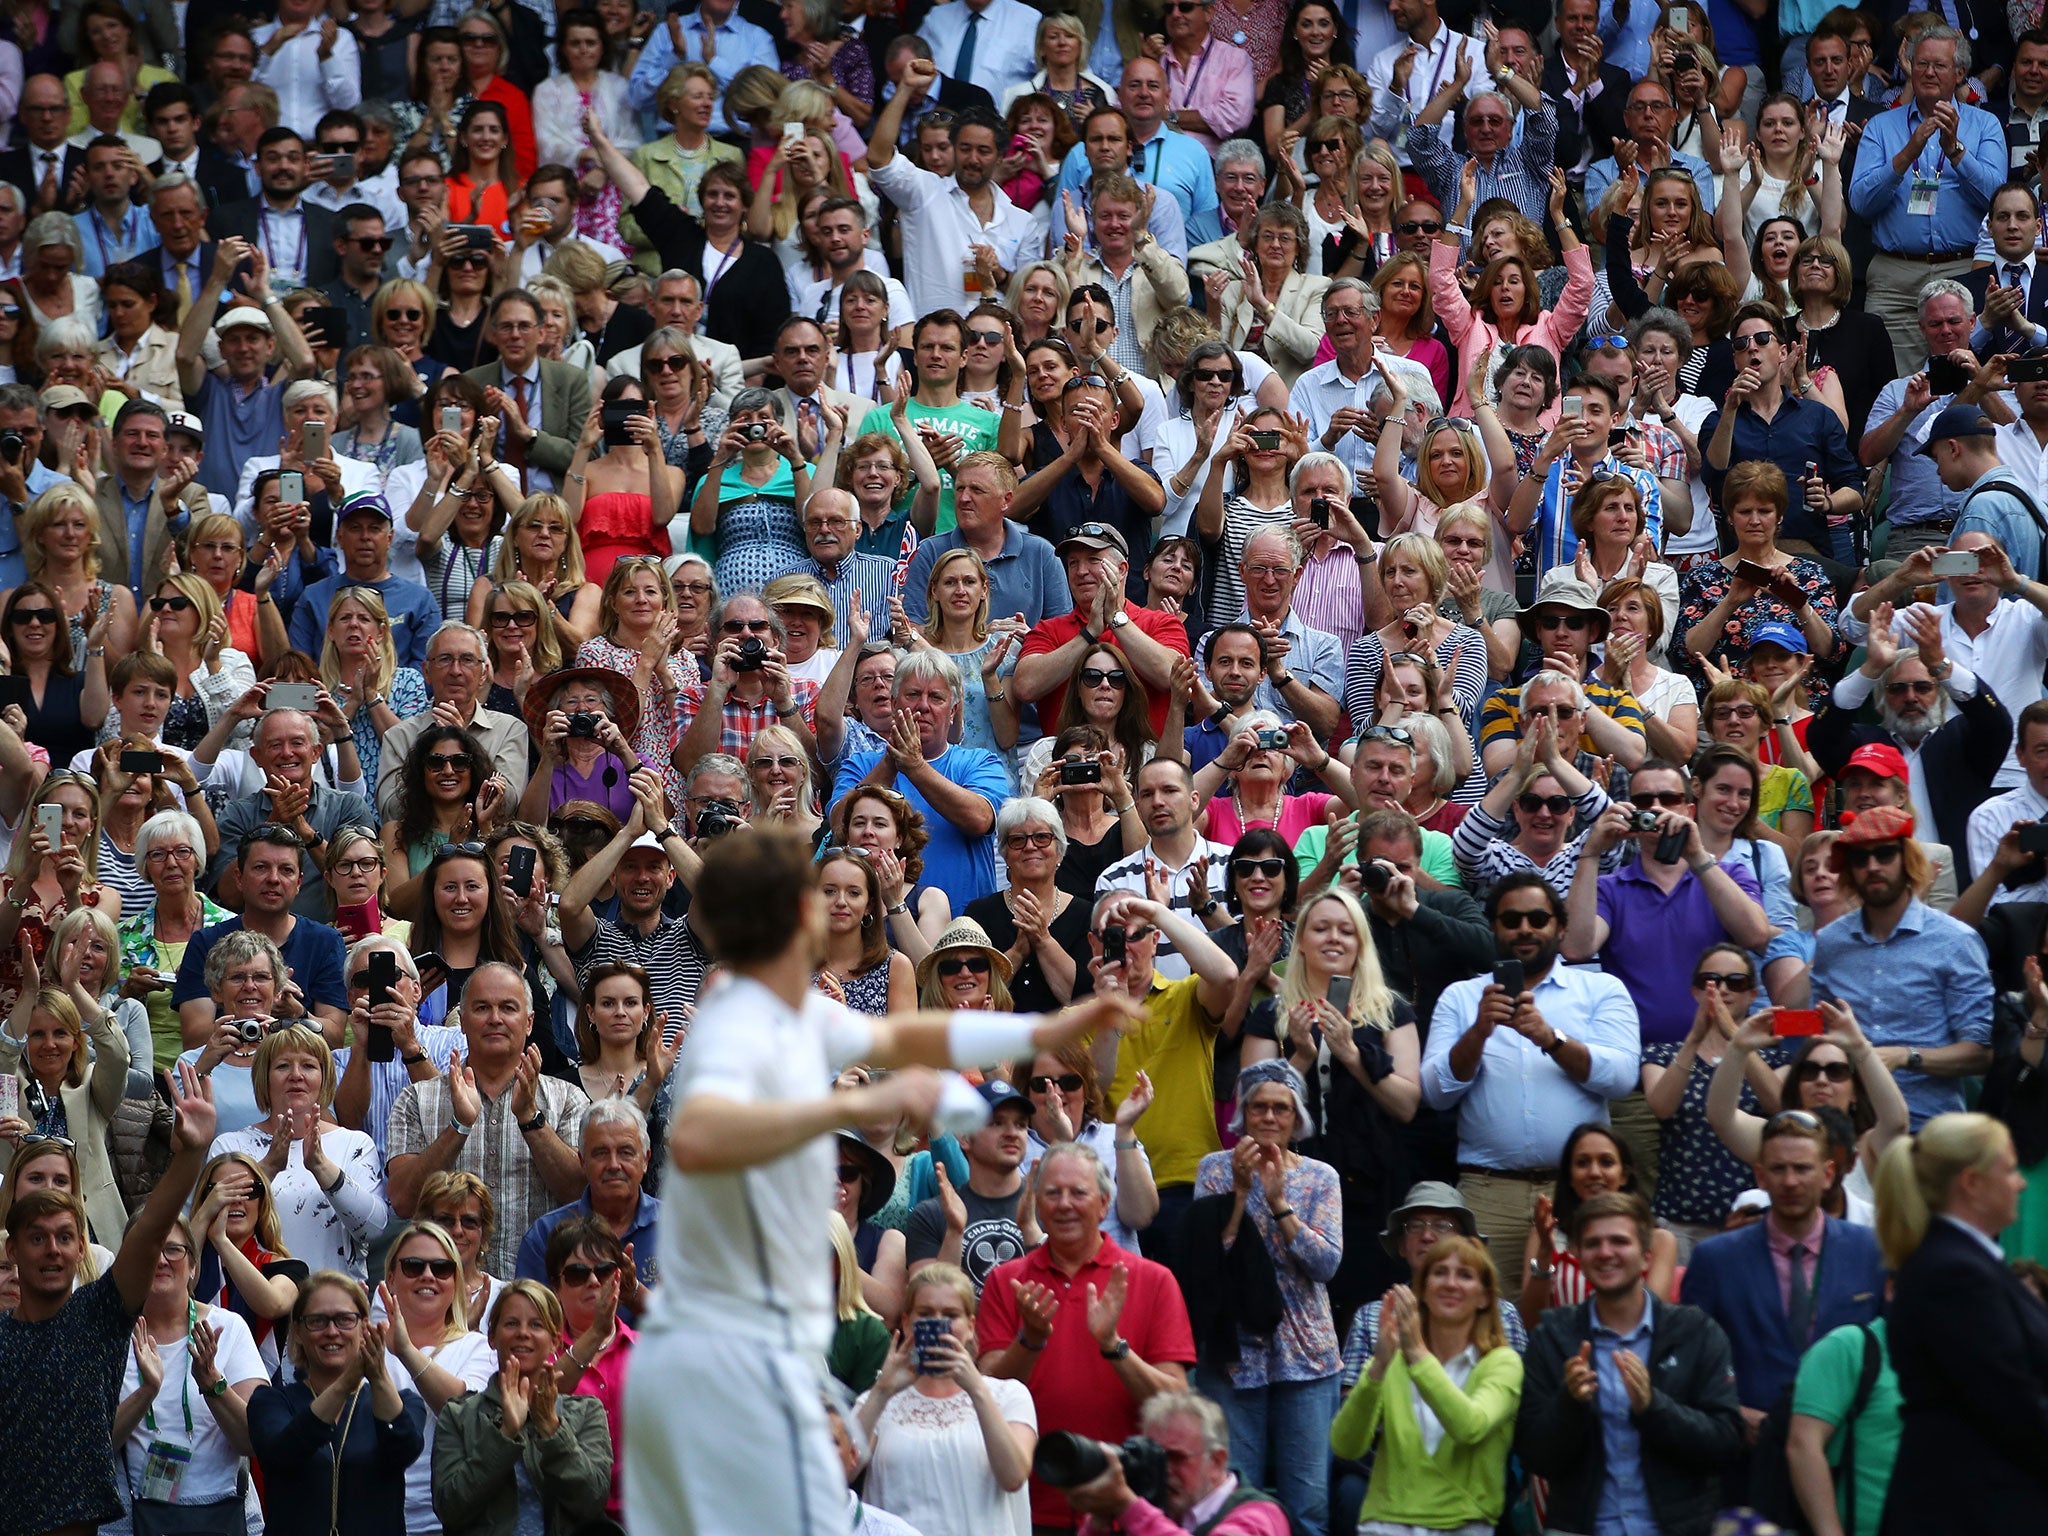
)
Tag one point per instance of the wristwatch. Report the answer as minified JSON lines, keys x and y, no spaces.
{"x":528,"y":1127}
{"x":1558,"y":1041}
{"x":668,"y":832}
{"x":1913,"y":1060}
{"x":415,"y":1059}
{"x":1118,"y":1350}
{"x":1119,"y":619}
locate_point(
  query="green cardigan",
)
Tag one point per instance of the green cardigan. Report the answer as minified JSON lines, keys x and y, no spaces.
{"x":1466,"y":1480}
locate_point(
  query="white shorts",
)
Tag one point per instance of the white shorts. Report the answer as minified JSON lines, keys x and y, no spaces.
{"x":726,"y":1436}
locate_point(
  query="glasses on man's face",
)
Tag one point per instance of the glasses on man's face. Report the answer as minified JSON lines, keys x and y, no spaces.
{"x":1079,"y":323}
{"x":669,"y":364}
{"x":413,"y":1267}
{"x":1577,"y":623}
{"x":1039,"y":840}
{"x":1272,"y":869}
{"x":746,"y":627}
{"x":1514,"y":918}
{"x":956,"y":965}
{"x":1045,"y":1082}
{"x":1922,"y":687}
{"x":1669,"y":799}
{"x":828,"y":524}
{"x":1750,"y":339}
{"x":1727,"y":981}
{"x":1418,"y":227}
{"x":1430,"y":1226}
{"x":1877,"y":853}
{"x":1557,"y":805}
{"x":373,"y":243}
{"x":1099,"y":677}
{"x":419,"y":181}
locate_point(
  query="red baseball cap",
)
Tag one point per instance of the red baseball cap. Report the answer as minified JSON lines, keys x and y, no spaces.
{"x":1886,"y":762}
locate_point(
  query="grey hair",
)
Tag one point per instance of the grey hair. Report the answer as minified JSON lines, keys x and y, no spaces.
{"x":20,"y":203}
{"x":237,"y":948}
{"x":1355,"y":285}
{"x":452,"y":625}
{"x":167,"y":824}
{"x":1550,"y":677}
{"x":1435,"y":741}
{"x":53,"y":228}
{"x":1278,"y":531}
{"x":1104,"y":1181}
{"x":69,"y":334}
{"x":926,"y":666}
{"x":486,"y":969}
{"x":821,"y":16}
{"x":1163,"y":1408}
{"x":1240,"y":152}
{"x":1944,"y":287}
{"x":1258,"y":720}
{"x":675,"y":275}
{"x":1940,"y":33}
{"x":375,"y":111}
{"x":175,"y":181}
{"x":1030,"y":810}
{"x":715,"y":762}
{"x":1507,"y":103}
{"x":754,"y":400}
{"x":1313,"y":461}
{"x":309,"y":389}
{"x":749,"y":595}
{"x":1665,"y":322}
{"x":1415,"y":380}
{"x":381,"y":941}
{"x":18,"y":397}
{"x":613,"y":1111}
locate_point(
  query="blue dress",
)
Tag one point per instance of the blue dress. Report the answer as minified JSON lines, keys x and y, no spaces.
{"x":759,"y":534}
{"x":408,"y":696}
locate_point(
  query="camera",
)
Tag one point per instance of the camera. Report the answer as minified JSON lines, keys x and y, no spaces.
{"x":1116,"y":941}
{"x":753,"y":654}
{"x":1376,"y":877}
{"x":248,"y":1031}
{"x":1319,"y":511}
{"x":1642,"y":821}
{"x":1072,"y":772}
{"x":583,"y":724}
{"x":1067,"y":1460}
{"x":756,"y":431}
{"x":716,"y":819}
{"x":1273,"y":740}
{"x":12,"y":443}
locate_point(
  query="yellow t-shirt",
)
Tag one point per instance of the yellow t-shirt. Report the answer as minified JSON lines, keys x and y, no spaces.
{"x":1175,"y":1046}
{"x":166,"y":1036}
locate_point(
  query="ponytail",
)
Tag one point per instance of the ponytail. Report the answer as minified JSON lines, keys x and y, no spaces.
{"x":1917,"y":1172}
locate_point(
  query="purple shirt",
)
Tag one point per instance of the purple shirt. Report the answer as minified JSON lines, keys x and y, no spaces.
{"x":1653,"y":940}
{"x":1780,"y":1243}
{"x":615,"y":796}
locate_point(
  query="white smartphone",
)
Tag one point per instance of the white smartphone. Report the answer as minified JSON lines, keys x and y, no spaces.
{"x":10,"y":1097}
{"x":50,"y":819}
{"x":1678,"y":19}
{"x":1572,"y":405}
{"x":451,"y":420}
{"x":291,"y":487}
{"x":303,"y":697}
{"x":792,"y":133}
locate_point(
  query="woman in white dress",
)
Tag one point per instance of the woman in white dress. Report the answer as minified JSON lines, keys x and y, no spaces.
{"x":580,"y":84}
{"x":951,"y":1448}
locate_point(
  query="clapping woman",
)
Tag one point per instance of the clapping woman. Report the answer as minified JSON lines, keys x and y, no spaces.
{"x":67,"y":698}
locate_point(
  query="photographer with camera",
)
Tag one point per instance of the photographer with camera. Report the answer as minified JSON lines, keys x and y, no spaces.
{"x":1158,"y":1482}
{"x":583,"y":719}
{"x":646,"y":856}
{"x":750,"y":687}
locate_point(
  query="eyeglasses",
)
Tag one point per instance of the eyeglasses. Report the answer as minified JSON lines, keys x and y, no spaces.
{"x":1512,"y":918}
{"x":747,"y":627}
{"x":1040,"y":840}
{"x":373,"y":242}
{"x":1419,"y":227}
{"x":515,"y":621}
{"x":330,"y":1322}
{"x":165,"y":855}
{"x":1272,"y":869}
{"x":1749,"y":339}
{"x":468,"y":1221}
{"x":1430,"y":1226}
{"x":1096,"y":677}
{"x":954,"y":965}
{"x":1066,"y":1082}
{"x":1817,"y":259}
{"x":1557,"y":805}
{"x":1833,"y":1071}
{"x":693,"y":588}
{"x":1924,"y":688}
{"x":669,"y":364}
{"x":437,"y":761}
{"x":1575,"y":622}
{"x":583,"y":1274}
{"x":477,"y":39}
{"x":35,"y":615}
{"x":1670,"y":799}
{"x":414,"y":1266}
{"x":1185,"y":7}
{"x":1735,"y":711}
{"x":175,"y":1251}
{"x":1728,"y":981}
{"x":1394,"y":733}
{"x":1879,"y":853}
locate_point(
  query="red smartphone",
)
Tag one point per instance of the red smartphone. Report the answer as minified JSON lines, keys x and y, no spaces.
{"x":1756,"y":575}
{"x":359,"y":921}
{"x":1795,"y":1021}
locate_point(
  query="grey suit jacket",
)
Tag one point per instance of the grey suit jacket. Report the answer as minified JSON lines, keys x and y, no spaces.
{"x":503,"y":736}
{"x":564,"y":407}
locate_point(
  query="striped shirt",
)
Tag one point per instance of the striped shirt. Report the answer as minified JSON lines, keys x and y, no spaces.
{"x":1486,"y":857}
{"x":1328,"y":596}
{"x":1241,"y":519}
{"x":671,"y":956}
{"x":869,"y":580}
{"x":388,"y":1079}
{"x":1500,"y":719}
{"x":1556,"y":543}
{"x":1128,"y":874}
{"x":1368,"y":659}
{"x":1520,"y":173}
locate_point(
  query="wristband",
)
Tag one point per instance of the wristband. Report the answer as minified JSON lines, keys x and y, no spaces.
{"x":1280,"y":1213}
{"x":1026,"y":1343}
{"x":459,"y":1128}
{"x":980,"y":1039}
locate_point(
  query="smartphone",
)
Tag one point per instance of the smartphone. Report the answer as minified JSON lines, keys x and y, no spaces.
{"x":1265,"y":442}
{"x":1946,"y":376}
{"x":1319,"y":511}
{"x":1795,"y":1021}
{"x":1115,"y":940}
{"x":2034,"y":838}
{"x":1678,"y":19}
{"x":1339,"y":994}
{"x":313,"y":436}
{"x":383,"y":969}
{"x":320,"y":167}
{"x":1572,"y":405}
{"x":142,"y":762}
{"x":451,"y":420}
{"x":331,"y":321}
{"x":291,"y":487}
{"x":925,"y":1333}
{"x":519,"y":878}
{"x":50,"y":819}
{"x":2027,"y":370}
{"x":475,"y":237}
{"x":616,"y":414}
{"x":15,"y":689}
{"x":1616,"y":436}
{"x":792,"y":133}
{"x":433,"y":970}
{"x":1956,"y":562}
{"x":1507,"y":975}
{"x":10,"y":1097}
{"x":304,"y":697}
{"x":1756,"y":575}
{"x":358,"y":920}
{"x":1080,"y":772}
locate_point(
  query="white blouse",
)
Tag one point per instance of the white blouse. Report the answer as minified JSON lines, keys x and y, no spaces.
{"x":326,"y":1231}
{"x":931,"y":1465}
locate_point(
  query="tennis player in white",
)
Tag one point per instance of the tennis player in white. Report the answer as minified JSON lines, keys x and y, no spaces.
{"x":726,"y":1433}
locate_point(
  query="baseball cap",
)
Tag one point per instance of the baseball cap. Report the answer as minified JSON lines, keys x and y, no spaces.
{"x":1787,"y":637}
{"x":185,"y":421}
{"x":997,"y":1092}
{"x":1095,"y":536}
{"x":59,"y":397}
{"x":1886,"y":762}
{"x":363,"y":501}
{"x":1957,"y":421}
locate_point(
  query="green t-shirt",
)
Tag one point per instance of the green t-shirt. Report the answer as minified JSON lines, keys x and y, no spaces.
{"x":977,"y":429}
{"x":1437,"y":862}
{"x":1825,"y":1387}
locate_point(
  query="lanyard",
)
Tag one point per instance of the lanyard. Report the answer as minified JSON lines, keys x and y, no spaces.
{"x":1437,"y":76}
{"x":184,"y":1387}
{"x":725,"y":259}
{"x":263,"y":222}
{"x":1194,"y":79}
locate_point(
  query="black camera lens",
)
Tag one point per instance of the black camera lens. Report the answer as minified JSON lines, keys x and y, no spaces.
{"x":1642,"y":821}
{"x":752,"y":655}
{"x":583,"y":724}
{"x":1377,"y":876}
{"x":12,"y":443}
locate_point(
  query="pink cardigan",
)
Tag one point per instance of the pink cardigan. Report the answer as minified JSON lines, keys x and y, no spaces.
{"x":1471,"y":333}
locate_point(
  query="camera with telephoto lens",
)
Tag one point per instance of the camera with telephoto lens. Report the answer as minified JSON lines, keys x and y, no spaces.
{"x":12,"y":445}
{"x":717,"y":818}
{"x":753,"y":655}
{"x":1642,"y":821}
{"x":583,"y":724}
{"x":1067,"y":1460}
{"x":248,"y":1031}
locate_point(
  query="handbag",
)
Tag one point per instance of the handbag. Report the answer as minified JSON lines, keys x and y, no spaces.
{"x":223,"y":1517}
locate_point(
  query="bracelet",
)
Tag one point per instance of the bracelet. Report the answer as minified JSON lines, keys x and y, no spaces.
{"x":1025,"y":1341}
{"x":459,"y":1128}
{"x":1280,"y":1213}
{"x":996,"y":698}
{"x":1127,"y":807}
{"x":1127,"y":1146}
{"x":340,"y":1178}
{"x":579,"y":479}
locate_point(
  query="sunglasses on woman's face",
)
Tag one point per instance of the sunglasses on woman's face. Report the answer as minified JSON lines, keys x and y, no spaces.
{"x":583,"y":1274}
{"x":663,"y":364}
{"x":438,"y":761}
{"x":176,"y":604}
{"x":1214,"y":376}
{"x":1727,"y":981}
{"x":469,"y":259}
{"x":850,"y":1173}
{"x":1096,"y":677}
{"x":413,"y":1267}
{"x":954,"y":965}
{"x":395,"y":313}
{"x":35,"y":616}
{"x":1833,"y":1071}
{"x":1557,"y":805}
{"x":1272,"y":869}
{"x":1066,"y":1082}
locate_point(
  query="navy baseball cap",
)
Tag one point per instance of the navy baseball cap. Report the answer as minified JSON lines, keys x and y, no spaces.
{"x":998,"y":1092}
{"x":1957,"y":421}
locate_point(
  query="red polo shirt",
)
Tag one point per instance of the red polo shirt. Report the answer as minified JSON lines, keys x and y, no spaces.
{"x":1048,"y":635}
{"x":1073,"y":1387}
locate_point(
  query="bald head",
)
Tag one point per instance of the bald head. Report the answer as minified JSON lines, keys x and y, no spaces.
{"x":45,"y":111}
{"x":1143,"y":95}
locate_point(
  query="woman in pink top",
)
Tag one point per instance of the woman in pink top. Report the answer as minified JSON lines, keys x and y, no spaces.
{"x":1246,"y":785}
{"x":1504,"y":309}
{"x":587,"y":1270}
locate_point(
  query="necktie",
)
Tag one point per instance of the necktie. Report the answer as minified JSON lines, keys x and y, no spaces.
{"x":184,"y":289}
{"x":515,"y":446}
{"x":1798,"y":1299}
{"x":807,"y":420}
{"x":2016,"y":277}
{"x":963,"y":61}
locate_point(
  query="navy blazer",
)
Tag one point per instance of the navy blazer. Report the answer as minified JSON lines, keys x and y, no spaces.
{"x":1978,"y":281}
{"x":1732,"y":1280}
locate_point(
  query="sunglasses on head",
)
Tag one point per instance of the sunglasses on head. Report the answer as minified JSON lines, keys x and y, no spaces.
{"x":1096,"y":677}
{"x":1616,"y":343}
{"x":176,"y":604}
{"x":954,"y":965}
{"x":414,"y":1266}
{"x":1512,"y":918}
{"x":1804,"y":1119}
{"x":1066,"y":1082}
{"x":1728,"y":981}
{"x":1394,"y":733}
{"x":1272,"y":869}
{"x":1557,"y":805}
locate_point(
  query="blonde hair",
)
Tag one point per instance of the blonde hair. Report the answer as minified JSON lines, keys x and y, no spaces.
{"x":56,"y":1002}
{"x":569,"y":568}
{"x":1429,"y":558}
{"x":941,"y":1276}
{"x":931,"y":590}
{"x":455,"y":1322}
{"x":66,"y":496}
{"x":21,"y":860}
{"x":371,"y":601}
{"x":103,"y":929}
{"x":783,"y":737}
{"x":1487,"y":1332}
{"x":543,"y":1301}
{"x":1473,"y":485}
{"x":312,"y":1285}
{"x":207,"y":601}
{"x":1372,"y":1000}
{"x":849,"y":1303}
{"x":300,"y":1039}
{"x":1472,"y":513}
{"x":269,"y":1234}
{"x":547,"y":639}
{"x":1918,"y":1173}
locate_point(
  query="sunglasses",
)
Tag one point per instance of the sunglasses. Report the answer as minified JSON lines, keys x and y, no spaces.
{"x":515,"y":621}
{"x":1804,"y":1119}
{"x":1066,"y":1082}
{"x":469,"y":1221}
{"x":436,"y":761}
{"x":1272,"y":869}
{"x":1324,"y":146}
{"x":1614,"y":343}
{"x":954,"y":965}
{"x":1919,"y":688}
{"x":373,"y":242}
{"x":1881,"y":853}
{"x":1082,"y":325}
{"x":986,"y":338}
{"x":1735,"y":712}
{"x":414,"y":1267}
{"x":1557,"y":805}
{"x":1096,"y":677}
{"x":452,"y":851}
{"x":1833,"y":1071}
{"x":1670,"y":799}
{"x":746,"y":627}
{"x":1512,"y":918}
{"x":1749,"y":339}
{"x":1214,"y":376}
{"x":1419,"y":227}
{"x":670,"y":364}
{"x":1575,"y":622}
{"x":35,"y":615}
{"x":395,"y":313}
{"x":169,"y":604}
{"x":583,"y":1274}
{"x":1728,"y":981}
{"x":1696,"y":295}
{"x":469,"y":259}
{"x":1029,"y":840}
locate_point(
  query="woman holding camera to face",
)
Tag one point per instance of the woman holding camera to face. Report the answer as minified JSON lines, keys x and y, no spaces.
{"x":583,"y":719}
{"x":1257,"y":765}
{"x":248,"y":981}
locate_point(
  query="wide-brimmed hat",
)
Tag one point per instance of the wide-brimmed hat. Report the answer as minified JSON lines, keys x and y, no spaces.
{"x":625,"y":698}
{"x":878,"y":1174}
{"x":1429,"y":1195}
{"x":963,"y":933}
{"x":1561,"y":589}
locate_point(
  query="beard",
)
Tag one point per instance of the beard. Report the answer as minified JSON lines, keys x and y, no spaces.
{"x":1915,"y":727}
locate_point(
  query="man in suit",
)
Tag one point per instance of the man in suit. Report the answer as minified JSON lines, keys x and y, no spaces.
{"x":799,"y":358}
{"x":946,"y":93}
{"x":2011,"y":294}
{"x":1629,"y":1404}
{"x":1827,"y":66}
{"x":143,"y":503}
{"x":1588,"y":93}
{"x":297,"y":237}
{"x":177,"y":207}
{"x":541,"y":404}
{"x":1777,"y":1285}
{"x":172,"y":112}
{"x":49,"y":171}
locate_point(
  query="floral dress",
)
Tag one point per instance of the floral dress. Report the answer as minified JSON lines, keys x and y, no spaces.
{"x":1708,"y":582}
{"x":661,"y":726}
{"x":407,"y":696}
{"x":1304,"y":1346}
{"x":853,"y":71}
{"x":38,"y":927}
